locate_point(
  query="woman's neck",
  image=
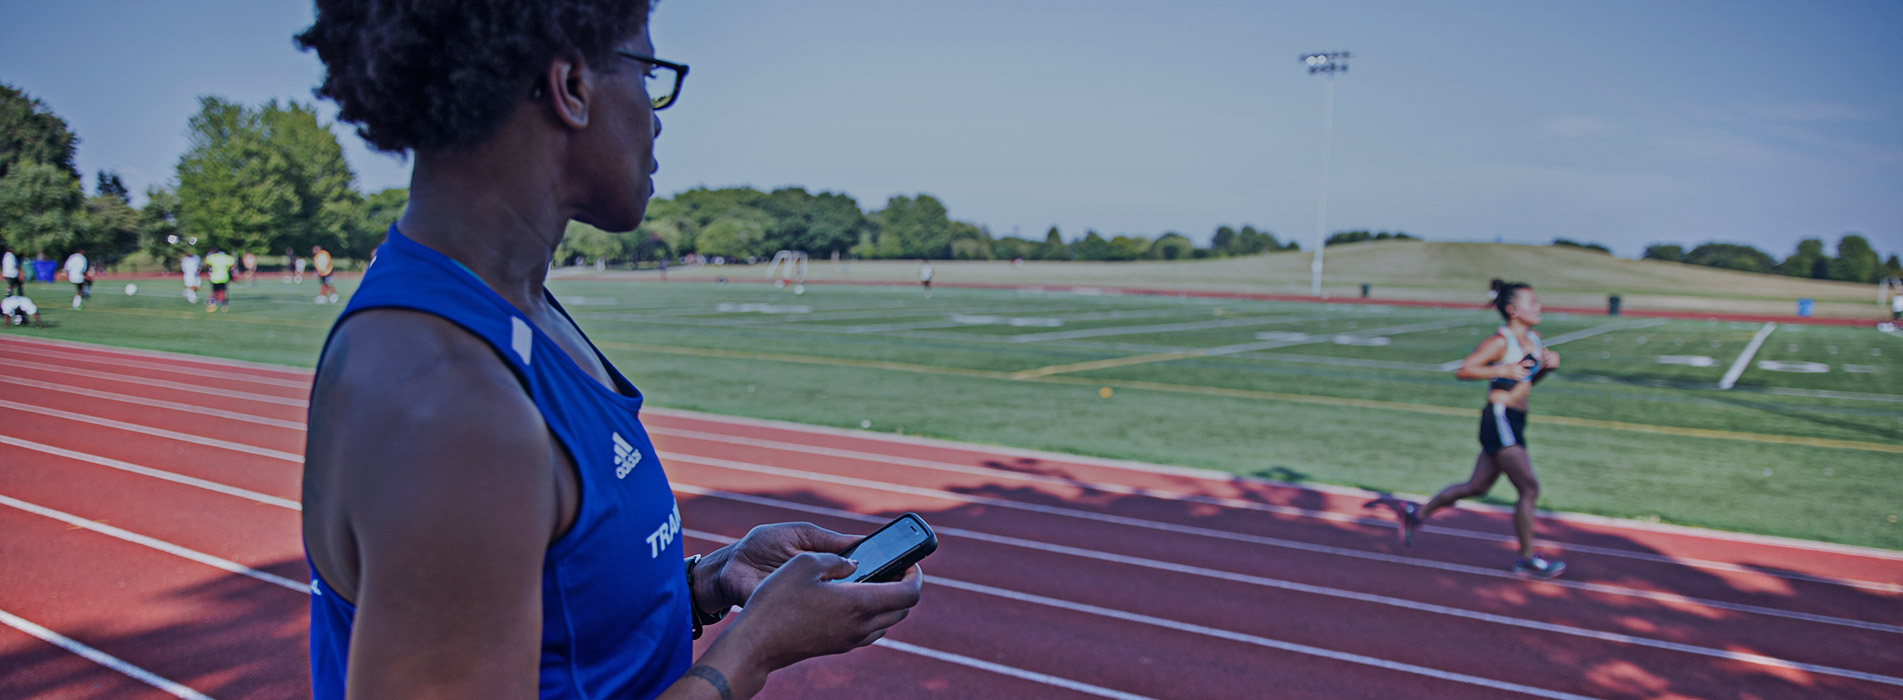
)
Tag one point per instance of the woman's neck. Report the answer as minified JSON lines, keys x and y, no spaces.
{"x":501,"y":225}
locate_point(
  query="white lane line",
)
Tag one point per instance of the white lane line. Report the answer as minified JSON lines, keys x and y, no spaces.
{"x":1011,"y":671}
{"x":159,"y":383}
{"x":155,"y":432}
{"x":102,"y":658}
{"x":154,"y":543}
{"x":175,"y":369}
{"x":1201,"y":630}
{"x":1170,"y":567}
{"x":1223,"y":477}
{"x":155,"y":403}
{"x":1166,"y":495}
{"x":293,"y":372}
{"x":234,"y":567}
{"x":154,"y":473}
{"x":1744,"y":358}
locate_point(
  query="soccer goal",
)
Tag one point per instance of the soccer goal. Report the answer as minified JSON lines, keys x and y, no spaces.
{"x":787,"y":266}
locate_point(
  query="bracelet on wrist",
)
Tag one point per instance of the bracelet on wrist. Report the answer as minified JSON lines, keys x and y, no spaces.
{"x":701,"y":619}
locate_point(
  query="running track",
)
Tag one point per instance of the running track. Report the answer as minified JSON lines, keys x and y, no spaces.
{"x":149,"y":548}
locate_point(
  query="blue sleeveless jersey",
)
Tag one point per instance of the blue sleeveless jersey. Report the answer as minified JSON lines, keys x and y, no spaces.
{"x":616,"y":621}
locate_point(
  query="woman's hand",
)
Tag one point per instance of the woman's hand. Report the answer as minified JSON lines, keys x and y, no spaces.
{"x":729,"y":576}
{"x":804,"y":610}
{"x":1549,"y":359}
{"x":1510,"y":370}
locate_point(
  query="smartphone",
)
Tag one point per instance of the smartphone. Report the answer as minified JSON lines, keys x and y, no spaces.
{"x":889,"y":551}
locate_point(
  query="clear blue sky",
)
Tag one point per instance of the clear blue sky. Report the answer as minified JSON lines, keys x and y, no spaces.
{"x":1619,"y":122}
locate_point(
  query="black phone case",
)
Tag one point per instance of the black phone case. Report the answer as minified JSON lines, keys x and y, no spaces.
{"x":891,"y":571}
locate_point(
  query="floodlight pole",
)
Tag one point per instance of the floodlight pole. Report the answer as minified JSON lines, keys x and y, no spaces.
{"x":1326,"y":64}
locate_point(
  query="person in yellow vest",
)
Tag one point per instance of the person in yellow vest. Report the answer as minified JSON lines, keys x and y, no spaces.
{"x":218,"y":267}
{"x":320,"y":261}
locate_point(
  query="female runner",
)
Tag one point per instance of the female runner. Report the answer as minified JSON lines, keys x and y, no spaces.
{"x":1511,"y":361}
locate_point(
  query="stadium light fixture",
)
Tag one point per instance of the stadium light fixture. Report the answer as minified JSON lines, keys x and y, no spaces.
{"x":1325,"y":64}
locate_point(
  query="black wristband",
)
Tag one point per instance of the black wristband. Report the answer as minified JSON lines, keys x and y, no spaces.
{"x":701,"y":619}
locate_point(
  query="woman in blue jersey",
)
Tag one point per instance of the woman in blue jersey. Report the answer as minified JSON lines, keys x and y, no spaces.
{"x":1511,"y":361}
{"x":483,"y":512}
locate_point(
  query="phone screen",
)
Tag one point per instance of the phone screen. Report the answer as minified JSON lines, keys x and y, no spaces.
{"x":883,"y":547}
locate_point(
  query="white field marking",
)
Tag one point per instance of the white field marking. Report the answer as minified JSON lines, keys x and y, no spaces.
{"x":1011,"y":671}
{"x":1051,"y":314}
{"x":1231,"y":478}
{"x":1475,"y":615}
{"x":1159,"y":328}
{"x":1744,"y":358}
{"x":1687,"y":360}
{"x":155,"y":403}
{"x":102,"y":658}
{"x":1452,"y":365}
{"x":1255,"y":506}
{"x":155,"y":432}
{"x":1297,"y":545}
{"x":1151,"y":621}
{"x":160,"y":384}
{"x":190,"y":371}
{"x":154,"y":473}
{"x":1305,"y":339}
{"x":154,"y":543}
{"x":294,"y":372}
{"x":1795,"y":366}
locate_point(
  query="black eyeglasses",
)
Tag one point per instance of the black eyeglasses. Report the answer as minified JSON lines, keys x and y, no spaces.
{"x":663,"y":78}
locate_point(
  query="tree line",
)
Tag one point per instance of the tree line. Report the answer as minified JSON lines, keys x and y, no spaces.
{"x":253,"y":179}
{"x":272,"y":177}
{"x":1855,"y":261}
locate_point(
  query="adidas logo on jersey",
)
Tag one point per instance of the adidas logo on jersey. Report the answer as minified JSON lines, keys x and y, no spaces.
{"x":625,"y":457}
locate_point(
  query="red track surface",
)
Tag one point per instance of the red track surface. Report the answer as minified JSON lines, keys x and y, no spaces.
{"x":1058,"y":576}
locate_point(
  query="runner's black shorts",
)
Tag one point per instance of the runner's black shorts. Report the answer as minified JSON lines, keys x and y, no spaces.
{"x":1501,"y":428}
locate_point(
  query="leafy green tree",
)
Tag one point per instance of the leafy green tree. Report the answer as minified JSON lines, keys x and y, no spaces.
{"x":31,"y":133}
{"x":589,"y":243}
{"x":1809,"y":260}
{"x":736,"y":235}
{"x":109,"y":230}
{"x":1856,"y":261}
{"x":818,"y":224}
{"x":1250,"y":242}
{"x":1012,"y":248}
{"x":1173,"y":246}
{"x":1570,"y":243}
{"x":1664,"y":251}
{"x":915,"y":227}
{"x":378,"y":212}
{"x":1224,"y":241}
{"x":236,"y":190}
{"x":1053,"y":247}
{"x":1092,"y":247}
{"x":328,"y":207}
{"x":1892,"y":268}
{"x":1731,"y":256}
{"x":109,"y":184}
{"x":158,"y":225}
{"x":40,"y":208}
{"x":1129,"y":248}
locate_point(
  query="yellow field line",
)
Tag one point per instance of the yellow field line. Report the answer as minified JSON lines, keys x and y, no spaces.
{"x":1105,"y":364}
{"x":1255,"y":394}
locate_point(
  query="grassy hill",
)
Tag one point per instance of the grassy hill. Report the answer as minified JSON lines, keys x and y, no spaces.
{"x":1420,"y":270}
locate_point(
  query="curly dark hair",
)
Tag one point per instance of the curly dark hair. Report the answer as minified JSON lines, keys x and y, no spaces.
{"x":429,"y":75}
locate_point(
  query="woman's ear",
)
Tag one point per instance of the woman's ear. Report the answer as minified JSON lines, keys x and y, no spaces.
{"x":568,"y":86}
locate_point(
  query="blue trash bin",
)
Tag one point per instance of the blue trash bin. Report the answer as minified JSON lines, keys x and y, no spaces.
{"x":1804,"y":307}
{"x":43,"y":270}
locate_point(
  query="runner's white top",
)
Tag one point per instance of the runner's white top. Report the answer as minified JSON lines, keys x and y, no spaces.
{"x":76,"y":269}
{"x":12,"y":304}
{"x":189,"y":264}
{"x":1896,"y":303}
{"x":9,"y":265}
{"x":925,"y":272}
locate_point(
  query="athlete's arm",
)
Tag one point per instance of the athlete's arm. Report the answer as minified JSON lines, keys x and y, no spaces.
{"x":439,"y":467}
{"x":1480,"y":364}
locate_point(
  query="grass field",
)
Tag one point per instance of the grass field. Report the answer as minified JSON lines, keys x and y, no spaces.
{"x":1808,"y":444}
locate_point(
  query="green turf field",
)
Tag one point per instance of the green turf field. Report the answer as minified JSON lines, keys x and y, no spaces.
{"x":1807,"y":444}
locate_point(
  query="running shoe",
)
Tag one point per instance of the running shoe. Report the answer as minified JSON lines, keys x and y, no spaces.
{"x":1410,"y":521}
{"x":1538,"y":566}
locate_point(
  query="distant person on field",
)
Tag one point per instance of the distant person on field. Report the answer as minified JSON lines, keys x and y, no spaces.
{"x":925,"y":276}
{"x":10,"y":270}
{"x":297,"y":267}
{"x":250,"y":261}
{"x":189,"y":265}
{"x":1896,"y":302}
{"x":15,"y":310}
{"x":483,"y":512}
{"x":76,"y":268}
{"x":320,"y":261}
{"x":218,"y":267}
{"x":1511,"y":361}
